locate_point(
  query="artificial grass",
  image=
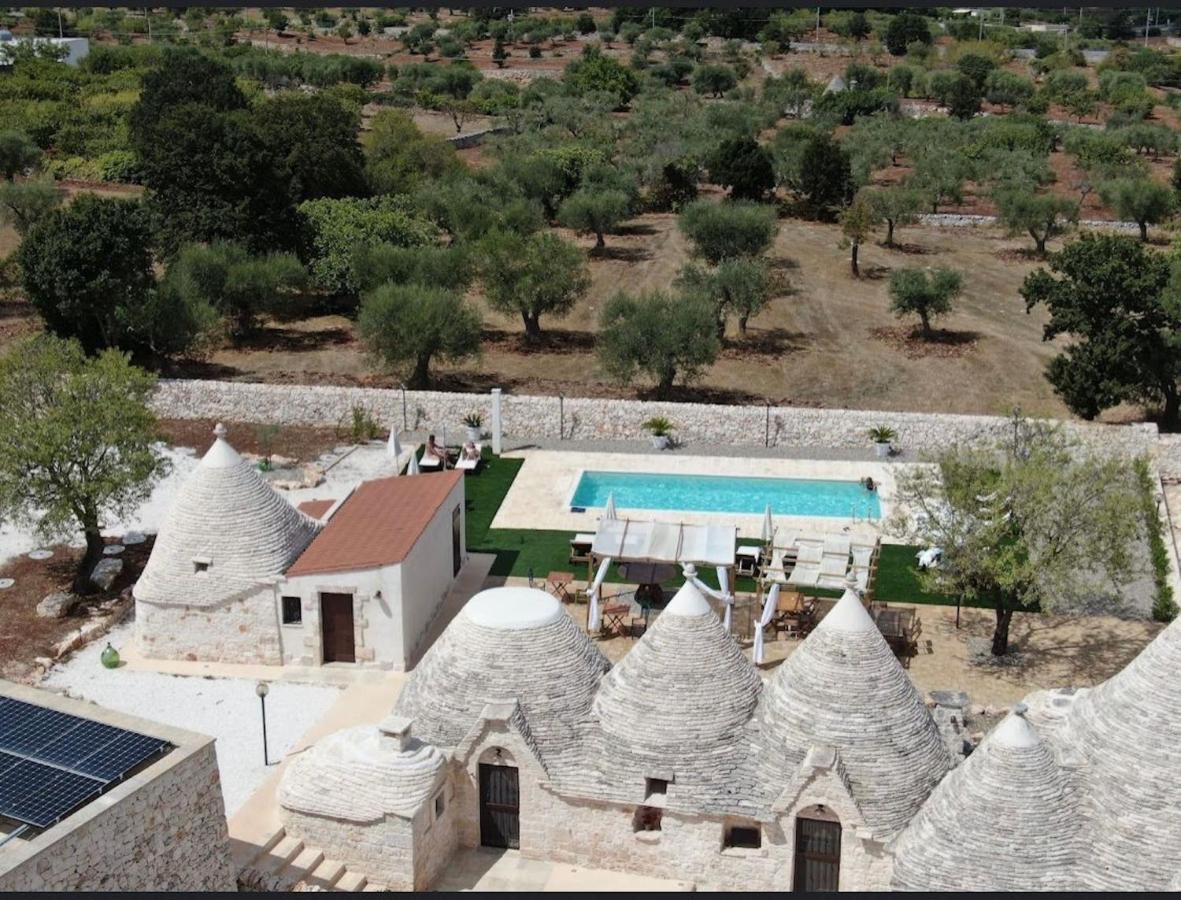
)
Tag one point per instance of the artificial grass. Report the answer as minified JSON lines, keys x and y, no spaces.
{"x":524,"y":551}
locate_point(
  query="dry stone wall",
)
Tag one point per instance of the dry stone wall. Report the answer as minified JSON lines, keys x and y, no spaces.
{"x":244,"y":630}
{"x":580,"y":418}
{"x":167,"y":835}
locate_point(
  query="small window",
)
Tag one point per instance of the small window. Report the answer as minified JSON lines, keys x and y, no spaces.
{"x":200,"y":565}
{"x":647,"y":818}
{"x":655,"y":787}
{"x":440,"y":804}
{"x":749,"y":837}
{"x":292,"y":610}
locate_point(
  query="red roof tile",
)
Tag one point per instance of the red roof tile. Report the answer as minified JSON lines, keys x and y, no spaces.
{"x":316,"y":508}
{"x":378,"y":524}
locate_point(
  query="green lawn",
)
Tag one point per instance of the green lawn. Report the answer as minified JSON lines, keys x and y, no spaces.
{"x":521,"y":550}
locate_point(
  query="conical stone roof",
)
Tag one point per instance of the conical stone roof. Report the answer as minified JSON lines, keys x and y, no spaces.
{"x":1004,"y":820}
{"x":506,"y":643}
{"x":358,"y":775}
{"x":678,"y":702}
{"x":1129,"y":730}
{"x":227,"y":530}
{"x":843,"y":688}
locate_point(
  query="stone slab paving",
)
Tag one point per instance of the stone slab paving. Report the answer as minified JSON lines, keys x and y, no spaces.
{"x":507,"y":870}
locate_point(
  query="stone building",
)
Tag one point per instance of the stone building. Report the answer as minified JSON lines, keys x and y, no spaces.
{"x":238,"y":574}
{"x":160,"y":827}
{"x":681,"y":762}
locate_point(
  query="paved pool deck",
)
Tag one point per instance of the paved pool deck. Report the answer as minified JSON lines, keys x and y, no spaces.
{"x":540,"y":495}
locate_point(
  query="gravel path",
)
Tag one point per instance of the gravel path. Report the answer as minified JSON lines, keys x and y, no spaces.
{"x":224,"y":708}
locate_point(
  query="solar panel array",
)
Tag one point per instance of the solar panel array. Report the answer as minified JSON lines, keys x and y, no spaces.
{"x":52,"y":762}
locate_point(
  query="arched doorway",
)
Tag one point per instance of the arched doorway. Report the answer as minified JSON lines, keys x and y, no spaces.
{"x":818,"y":851}
{"x":500,"y":800}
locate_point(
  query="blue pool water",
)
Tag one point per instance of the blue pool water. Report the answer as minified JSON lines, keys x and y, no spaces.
{"x":727,"y":493}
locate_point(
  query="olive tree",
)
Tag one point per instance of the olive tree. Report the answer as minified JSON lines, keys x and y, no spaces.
{"x":924,"y":293}
{"x":728,"y":230}
{"x":17,"y":153}
{"x":1042,"y":216}
{"x":593,"y":211}
{"x":1140,"y":200}
{"x":532,"y":275}
{"x":407,"y":327}
{"x":740,"y":286}
{"x":77,"y":442}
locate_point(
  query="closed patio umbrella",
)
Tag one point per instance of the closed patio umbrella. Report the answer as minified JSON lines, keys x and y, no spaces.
{"x":768,"y":525}
{"x":609,"y":509}
{"x":412,"y":468}
{"x":394,"y":448}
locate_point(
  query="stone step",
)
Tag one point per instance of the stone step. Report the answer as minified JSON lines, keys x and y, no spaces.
{"x":326,"y":875}
{"x":300,"y":869}
{"x":279,"y":857}
{"x":352,"y":881}
{"x":371,"y":886}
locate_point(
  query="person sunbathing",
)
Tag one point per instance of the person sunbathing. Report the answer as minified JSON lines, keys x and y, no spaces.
{"x":433,"y":449}
{"x":471,"y":451}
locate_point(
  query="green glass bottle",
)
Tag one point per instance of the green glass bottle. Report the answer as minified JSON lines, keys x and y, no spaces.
{"x":110,"y":657}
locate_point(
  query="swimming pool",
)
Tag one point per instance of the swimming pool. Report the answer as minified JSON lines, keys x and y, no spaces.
{"x":727,"y":493}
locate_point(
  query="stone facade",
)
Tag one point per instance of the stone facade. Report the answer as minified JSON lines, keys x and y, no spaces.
{"x":242,"y":630}
{"x":163,"y":829}
{"x":579,"y":418}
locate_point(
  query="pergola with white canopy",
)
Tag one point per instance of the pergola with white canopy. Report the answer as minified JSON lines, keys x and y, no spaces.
{"x":631,"y":541}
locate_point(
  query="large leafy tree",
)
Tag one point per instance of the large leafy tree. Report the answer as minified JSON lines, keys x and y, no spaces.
{"x":923,"y":293}
{"x":532,"y":276}
{"x":77,"y":441}
{"x":744,"y":166}
{"x":235,"y":284}
{"x":1112,"y":295}
{"x":825,"y":175}
{"x":407,"y":327}
{"x":720,"y":231}
{"x":1140,"y":200}
{"x":17,"y":153}
{"x":87,"y":268}
{"x":1041,"y":216}
{"x":906,"y":28}
{"x":740,"y":286}
{"x":896,"y":206}
{"x":315,"y":139}
{"x":25,"y":203}
{"x":598,"y":211}
{"x":858,"y":221}
{"x":1031,"y":524}
{"x":660,"y":335}
{"x":595,"y":73}
{"x":399,"y":157}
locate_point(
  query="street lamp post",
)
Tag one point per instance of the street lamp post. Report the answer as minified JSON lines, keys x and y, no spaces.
{"x":262,"y":689}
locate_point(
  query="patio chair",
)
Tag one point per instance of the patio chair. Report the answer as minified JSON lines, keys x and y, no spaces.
{"x":810,"y":553}
{"x":429,"y":461}
{"x":470,"y":465}
{"x":804,"y":575}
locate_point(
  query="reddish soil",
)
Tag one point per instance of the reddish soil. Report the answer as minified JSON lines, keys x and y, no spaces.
{"x":24,"y":635}
{"x":302,"y":443}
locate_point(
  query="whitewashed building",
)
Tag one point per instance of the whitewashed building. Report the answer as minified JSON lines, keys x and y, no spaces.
{"x":238,"y":574}
{"x":680,"y":762}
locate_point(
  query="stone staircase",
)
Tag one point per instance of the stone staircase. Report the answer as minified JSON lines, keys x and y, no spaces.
{"x":287,"y":864}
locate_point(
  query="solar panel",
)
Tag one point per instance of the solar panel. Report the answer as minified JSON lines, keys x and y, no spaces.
{"x":52,"y":762}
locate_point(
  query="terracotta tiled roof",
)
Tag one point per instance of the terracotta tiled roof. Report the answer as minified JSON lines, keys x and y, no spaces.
{"x":316,"y":508}
{"x":378,"y":524}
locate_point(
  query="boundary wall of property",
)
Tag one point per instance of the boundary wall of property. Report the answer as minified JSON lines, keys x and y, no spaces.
{"x":581,"y":418}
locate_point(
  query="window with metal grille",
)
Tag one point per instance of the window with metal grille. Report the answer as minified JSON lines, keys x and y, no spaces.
{"x":749,"y":837}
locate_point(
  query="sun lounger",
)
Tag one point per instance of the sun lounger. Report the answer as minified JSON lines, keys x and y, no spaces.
{"x":809,"y":553}
{"x":429,"y":461}
{"x":836,"y":544}
{"x":804,"y":575}
{"x":862,"y":556}
{"x":834,"y":566}
{"x":469,"y":465}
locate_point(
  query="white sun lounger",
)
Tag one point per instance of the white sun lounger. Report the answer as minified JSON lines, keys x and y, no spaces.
{"x":834,"y":566}
{"x":430,"y":461}
{"x":804,"y":575}
{"x":862,"y":556}
{"x":836,"y":544}
{"x":469,"y":465}
{"x":810,"y":553}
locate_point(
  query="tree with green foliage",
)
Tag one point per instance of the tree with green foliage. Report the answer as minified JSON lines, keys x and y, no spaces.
{"x":399,"y":157}
{"x":531,"y":276}
{"x":744,"y":166}
{"x":925,"y":293}
{"x":337,"y":227}
{"x":963,"y":99}
{"x":1115,"y":298}
{"x":1032,"y":524}
{"x":740,"y":286}
{"x":597,"y":73}
{"x":976,"y":67}
{"x":905,"y":29}
{"x":1041,"y":216}
{"x":1007,"y":88}
{"x":23,"y":204}
{"x":87,"y":268}
{"x":499,"y":53}
{"x":940,"y":173}
{"x":596,"y":212}
{"x":897,"y":205}
{"x":714,"y":80}
{"x":1140,"y":200}
{"x":77,"y":442}
{"x":17,"y":153}
{"x":407,"y":327}
{"x":451,"y":268}
{"x":858,"y":220}
{"x":314,"y":137}
{"x":826,"y":178}
{"x":720,"y":231}
{"x":238,"y":286}
{"x":657,"y":334}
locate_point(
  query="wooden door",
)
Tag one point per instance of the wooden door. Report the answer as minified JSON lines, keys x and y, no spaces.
{"x":500,"y":807}
{"x":336,"y":622}
{"x":818,"y":856}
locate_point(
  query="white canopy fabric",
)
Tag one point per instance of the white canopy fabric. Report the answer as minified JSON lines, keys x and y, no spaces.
{"x":629,"y":541}
{"x":394,"y":447}
{"x":594,"y":614}
{"x":768,"y":526}
{"x":609,"y":509}
{"x":769,"y":606}
{"x":412,"y":468}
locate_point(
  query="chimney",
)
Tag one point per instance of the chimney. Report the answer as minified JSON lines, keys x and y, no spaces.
{"x":395,"y":733}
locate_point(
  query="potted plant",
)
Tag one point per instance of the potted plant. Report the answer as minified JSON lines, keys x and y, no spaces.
{"x":661,"y":430}
{"x":474,"y":423}
{"x":882,"y":435}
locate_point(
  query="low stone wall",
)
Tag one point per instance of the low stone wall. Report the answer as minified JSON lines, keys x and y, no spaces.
{"x":580,"y":418}
{"x":474,"y":138}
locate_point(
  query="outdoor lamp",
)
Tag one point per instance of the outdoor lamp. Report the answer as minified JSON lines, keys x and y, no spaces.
{"x":262,"y":689}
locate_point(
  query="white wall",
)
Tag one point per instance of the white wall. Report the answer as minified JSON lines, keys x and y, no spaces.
{"x":427,"y":573}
